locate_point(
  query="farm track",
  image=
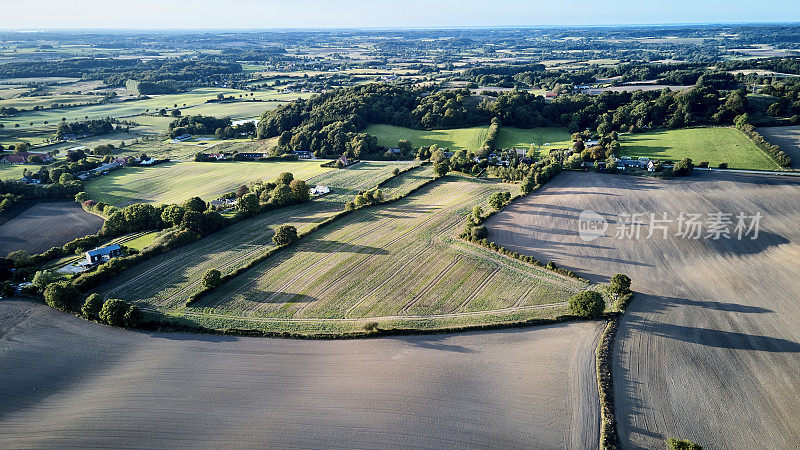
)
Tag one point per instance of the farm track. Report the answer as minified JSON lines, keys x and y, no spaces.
{"x":710,"y":347}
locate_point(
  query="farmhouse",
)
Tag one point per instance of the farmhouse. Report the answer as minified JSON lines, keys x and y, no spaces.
{"x":223,"y":203}
{"x":249,"y":155}
{"x":100,"y":255}
{"x":303,"y":154}
{"x":319,"y":190}
{"x":25,"y":158}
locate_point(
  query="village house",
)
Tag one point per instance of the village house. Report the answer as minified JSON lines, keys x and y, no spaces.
{"x":319,"y":190}
{"x":103,"y":254}
{"x":24,"y":158}
{"x":303,"y":154}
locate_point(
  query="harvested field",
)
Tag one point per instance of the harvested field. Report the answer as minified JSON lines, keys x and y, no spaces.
{"x":787,"y":138}
{"x":175,"y":182}
{"x":174,"y":276}
{"x":709,"y":351}
{"x":47,"y":225}
{"x":70,"y":383}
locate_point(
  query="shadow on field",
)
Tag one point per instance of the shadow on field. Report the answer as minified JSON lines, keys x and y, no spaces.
{"x":434,"y":342}
{"x":718,"y":339}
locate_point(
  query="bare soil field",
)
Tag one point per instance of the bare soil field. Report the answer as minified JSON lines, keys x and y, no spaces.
{"x":70,"y":383}
{"x":47,"y":225}
{"x":710,"y":348}
{"x":787,"y":138}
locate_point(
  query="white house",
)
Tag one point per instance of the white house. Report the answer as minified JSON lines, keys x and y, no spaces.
{"x":319,"y":190}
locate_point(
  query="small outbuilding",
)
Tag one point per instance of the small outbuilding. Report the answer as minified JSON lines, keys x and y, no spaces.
{"x":103,"y":254}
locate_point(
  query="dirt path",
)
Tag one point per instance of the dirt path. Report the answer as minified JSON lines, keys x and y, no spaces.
{"x":710,"y":349}
{"x":70,"y":383}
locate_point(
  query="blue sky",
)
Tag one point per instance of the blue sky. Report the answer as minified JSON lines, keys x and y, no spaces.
{"x":383,"y":13}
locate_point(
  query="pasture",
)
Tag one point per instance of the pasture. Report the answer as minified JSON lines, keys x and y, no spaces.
{"x":712,"y":319}
{"x":489,"y":389}
{"x":555,"y":137}
{"x":174,"y":182}
{"x":787,"y":138}
{"x":715,"y":145}
{"x":46,"y":225}
{"x":173,"y":277}
{"x":454,"y":139}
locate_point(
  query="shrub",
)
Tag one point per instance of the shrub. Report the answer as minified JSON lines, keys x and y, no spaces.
{"x":441,"y":168}
{"x":60,"y":295}
{"x":703,"y":164}
{"x":81,"y":197}
{"x":683,"y":167}
{"x":587,"y":304}
{"x":723,"y":165}
{"x":682,"y":444}
{"x":620,"y":284}
{"x":92,"y":306}
{"x":284,"y":235}
{"x":113,"y":311}
{"x":132,"y":317}
{"x":212,"y":278}
{"x":44,"y":277}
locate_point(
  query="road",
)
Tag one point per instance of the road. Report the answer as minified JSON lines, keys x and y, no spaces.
{"x":67,"y":383}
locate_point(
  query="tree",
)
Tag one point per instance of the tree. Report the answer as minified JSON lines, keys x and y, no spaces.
{"x":499,"y":199}
{"x":284,"y":178}
{"x":441,"y":168}
{"x":81,"y":197}
{"x":212,"y":279}
{"x":299,"y":191}
{"x":477,"y":213}
{"x":66,"y":178}
{"x":132,"y":316}
{"x":587,"y":304}
{"x":282,"y":195}
{"x":113,"y":311}
{"x":44,"y":277}
{"x":173,"y":215}
{"x":682,"y":444}
{"x":248,"y":204}
{"x":241,"y":191}
{"x":92,"y":306}
{"x":60,"y":295}
{"x":620,"y":284}
{"x":284,"y":235}
{"x":683,"y":167}
{"x":527,"y":185}
{"x":195,"y":204}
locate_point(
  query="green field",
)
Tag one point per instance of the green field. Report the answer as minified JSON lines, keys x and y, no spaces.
{"x":395,"y":261}
{"x":714,"y":145}
{"x":173,"y":277}
{"x":174,"y":182}
{"x":523,"y":137}
{"x":454,"y":139}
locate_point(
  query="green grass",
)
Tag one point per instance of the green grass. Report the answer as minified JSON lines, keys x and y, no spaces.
{"x":715,"y":145}
{"x":142,"y":241}
{"x":523,"y":137}
{"x":177,"y":181}
{"x":454,"y":139}
{"x":15,"y":171}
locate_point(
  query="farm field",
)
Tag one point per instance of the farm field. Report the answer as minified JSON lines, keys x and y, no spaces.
{"x":715,"y":145}
{"x":173,"y":277}
{"x":712,"y":319}
{"x":46,"y":225}
{"x":454,"y":139}
{"x":393,"y":261}
{"x":501,"y":388}
{"x":174,"y":182}
{"x":787,"y":138}
{"x":510,"y":137}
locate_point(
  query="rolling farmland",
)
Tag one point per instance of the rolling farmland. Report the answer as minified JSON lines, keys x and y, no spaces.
{"x":71,"y":383}
{"x":391,"y":261}
{"x":46,"y":225}
{"x":714,"y":319}
{"x":454,"y":139}
{"x":174,"y":182}
{"x":168,"y":280}
{"x":715,"y":145}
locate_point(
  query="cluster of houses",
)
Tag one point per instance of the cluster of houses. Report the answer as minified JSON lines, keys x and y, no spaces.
{"x":224,"y":203}
{"x":26,"y":157}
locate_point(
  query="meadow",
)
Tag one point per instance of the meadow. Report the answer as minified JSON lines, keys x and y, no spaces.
{"x":174,"y":182}
{"x":454,"y":139}
{"x":715,"y":145}
{"x":173,"y":277}
{"x":554,"y":137}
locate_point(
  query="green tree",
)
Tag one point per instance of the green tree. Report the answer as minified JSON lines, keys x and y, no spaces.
{"x":285,"y":234}
{"x":132,"y":316}
{"x":60,"y":295}
{"x":284,"y":178}
{"x":587,"y":304}
{"x":248,"y":204}
{"x":173,"y":215}
{"x":81,"y":197}
{"x":477,"y":213}
{"x":527,"y":185}
{"x":441,"y":168}
{"x":113,"y":311}
{"x":498,"y":199}
{"x":282,"y":195}
{"x":299,"y":191}
{"x":620,"y":284}
{"x":92,"y":306}
{"x":44,"y":277}
{"x":66,"y":178}
{"x":683,"y":167}
{"x":195,"y":204}
{"x":212,"y":279}
{"x":682,"y":444}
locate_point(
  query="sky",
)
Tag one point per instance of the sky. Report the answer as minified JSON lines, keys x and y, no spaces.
{"x":264,"y":14}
